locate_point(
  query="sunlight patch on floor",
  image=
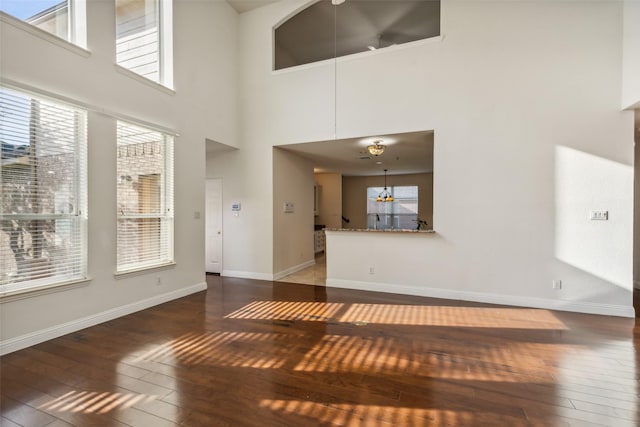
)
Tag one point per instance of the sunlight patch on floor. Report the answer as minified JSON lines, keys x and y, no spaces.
{"x":95,"y":402}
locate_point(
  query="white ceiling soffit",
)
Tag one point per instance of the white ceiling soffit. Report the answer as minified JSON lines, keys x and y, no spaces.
{"x":410,"y":152}
{"x":242,"y":6}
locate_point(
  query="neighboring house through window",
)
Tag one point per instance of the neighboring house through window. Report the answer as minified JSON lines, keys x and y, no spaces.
{"x":145,"y":198}
{"x":144,"y":38}
{"x":43,"y":193}
{"x":65,"y":19}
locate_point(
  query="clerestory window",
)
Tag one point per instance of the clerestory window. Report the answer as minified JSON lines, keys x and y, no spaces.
{"x":144,"y":38}
{"x":65,"y":19}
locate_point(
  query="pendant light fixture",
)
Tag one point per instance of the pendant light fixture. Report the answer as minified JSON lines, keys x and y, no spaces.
{"x":385,"y":195}
{"x":376,"y":148}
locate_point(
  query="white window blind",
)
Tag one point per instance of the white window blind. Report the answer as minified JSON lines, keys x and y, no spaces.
{"x":401,"y":214}
{"x":145,"y":198}
{"x":43,"y":200}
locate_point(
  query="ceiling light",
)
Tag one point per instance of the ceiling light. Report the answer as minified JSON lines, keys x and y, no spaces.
{"x":385,"y":195}
{"x":337,"y":2}
{"x":377,"y":148}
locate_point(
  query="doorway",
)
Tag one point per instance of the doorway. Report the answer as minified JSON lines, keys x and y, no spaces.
{"x":213,"y":226}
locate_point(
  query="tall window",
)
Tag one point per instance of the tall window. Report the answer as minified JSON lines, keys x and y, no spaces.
{"x":143,"y":38}
{"x":145,"y":198}
{"x":65,"y":19}
{"x":402,"y":213}
{"x":43,"y":199}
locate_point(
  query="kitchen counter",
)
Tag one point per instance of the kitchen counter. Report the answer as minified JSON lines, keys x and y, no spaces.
{"x":371,"y":230}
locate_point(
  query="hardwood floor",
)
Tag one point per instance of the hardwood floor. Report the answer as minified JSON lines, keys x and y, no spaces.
{"x":254,"y":353}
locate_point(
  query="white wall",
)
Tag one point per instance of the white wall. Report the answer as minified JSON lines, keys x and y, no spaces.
{"x":329,"y":199}
{"x":524,"y":98}
{"x":203,"y":106}
{"x":292,"y":231}
{"x":631,"y":55}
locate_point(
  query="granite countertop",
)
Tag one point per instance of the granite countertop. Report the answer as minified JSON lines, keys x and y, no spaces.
{"x":371,"y":230}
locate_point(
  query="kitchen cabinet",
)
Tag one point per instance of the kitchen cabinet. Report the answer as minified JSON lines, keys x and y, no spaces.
{"x":319,"y":240}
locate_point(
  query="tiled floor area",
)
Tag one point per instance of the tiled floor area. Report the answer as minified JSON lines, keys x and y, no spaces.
{"x":314,"y":275}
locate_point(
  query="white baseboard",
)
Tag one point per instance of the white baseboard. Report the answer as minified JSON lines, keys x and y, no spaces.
{"x":33,"y":338}
{"x":560,"y":305}
{"x":247,"y":275}
{"x":279,"y":275}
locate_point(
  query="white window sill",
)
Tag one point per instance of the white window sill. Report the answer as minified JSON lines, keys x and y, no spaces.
{"x":135,"y":76}
{"x":44,"y":35}
{"x":143,"y":270}
{"x":33,"y":291}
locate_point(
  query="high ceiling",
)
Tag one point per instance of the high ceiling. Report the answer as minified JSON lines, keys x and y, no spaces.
{"x":405,"y":153}
{"x":242,"y":6}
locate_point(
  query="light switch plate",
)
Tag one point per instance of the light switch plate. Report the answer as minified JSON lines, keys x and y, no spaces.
{"x":599,"y":215}
{"x":287,"y":207}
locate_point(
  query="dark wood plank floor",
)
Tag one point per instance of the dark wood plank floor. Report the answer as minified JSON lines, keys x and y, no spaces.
{"x":252,"y":353}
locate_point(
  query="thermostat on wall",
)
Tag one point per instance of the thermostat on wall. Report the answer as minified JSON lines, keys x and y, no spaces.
{"x":235,"y":206}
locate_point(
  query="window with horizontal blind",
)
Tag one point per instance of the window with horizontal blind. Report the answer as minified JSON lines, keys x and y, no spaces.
{"x":43,"y":178}
{"x":400,"y":214}
{"x":143,"y":38}
{"x":65,"y":19}
{"x":145,"y":198}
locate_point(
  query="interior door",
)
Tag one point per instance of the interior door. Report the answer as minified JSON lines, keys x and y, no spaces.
{"x":213,"y":226}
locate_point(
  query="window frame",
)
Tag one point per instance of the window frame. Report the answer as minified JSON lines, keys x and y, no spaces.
{"x":391,"y":216}
{"x":76,"y":25}
{"x":166,"y":216}
{"x":164,"y":24}
{"x":78,"y":218}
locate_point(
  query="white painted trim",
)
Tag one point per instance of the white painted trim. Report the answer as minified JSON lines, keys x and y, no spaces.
{"x":143,"y":270}
{"x":560,"y":305}
{"x":5,"y":18}
{"x":142,"y":79}
{"x":74,"y":103}
{"x":34,"y":291}
{"x":279,"y":275}
{"x":18,"y":343}
{"x":246,"y":275}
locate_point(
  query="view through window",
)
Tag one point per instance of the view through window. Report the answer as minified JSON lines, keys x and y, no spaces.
{"x":145,"y":198}
{"x":401,"y":213}
{"x":64,"y":19}
{"x":43,"y":198}
{"x":143,"y":38}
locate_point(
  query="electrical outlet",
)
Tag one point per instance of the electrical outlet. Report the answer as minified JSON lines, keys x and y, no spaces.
{"x":372,"y":270}
{"x":158,"y":281}
{"x":557,"y":284}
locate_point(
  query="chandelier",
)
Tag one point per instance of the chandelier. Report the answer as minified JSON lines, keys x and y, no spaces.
{"x":377,"y":148}
{"x":385,"y":195}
